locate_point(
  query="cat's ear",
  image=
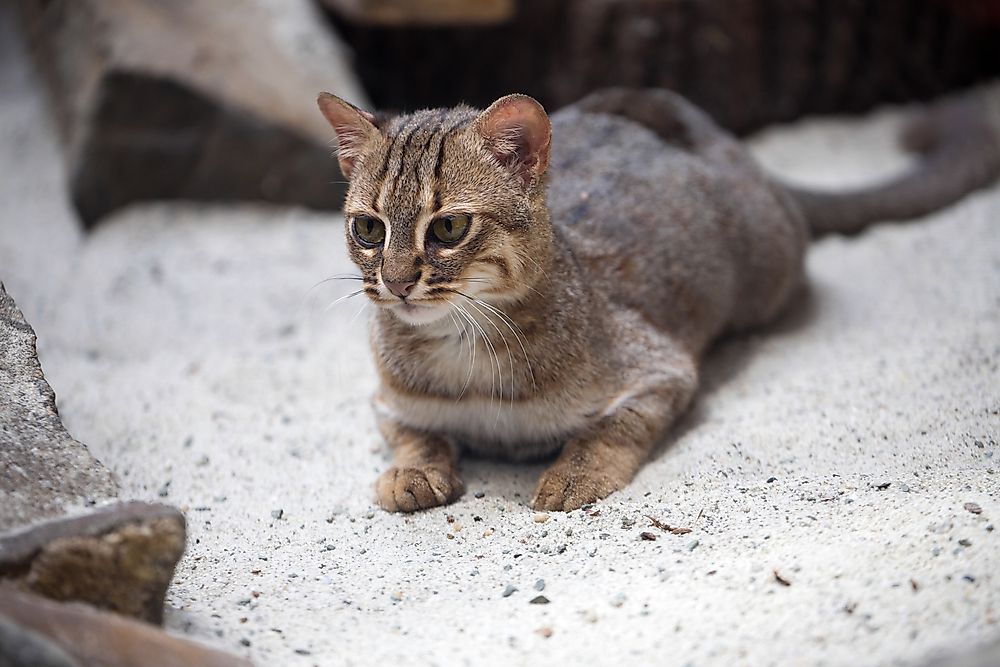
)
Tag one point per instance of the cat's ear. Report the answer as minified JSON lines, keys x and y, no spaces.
{"x":355,"y":129}
{"x":518,"y":133}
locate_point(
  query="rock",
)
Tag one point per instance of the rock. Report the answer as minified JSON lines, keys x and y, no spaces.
{"x":20,"y":647}
{"x":120,"y":557}
{"x":45,"y":471}
{"x":423,"y":12}
{"x":983,"y":655}
{"x":191,"y":100}
{"x":91,"y":637}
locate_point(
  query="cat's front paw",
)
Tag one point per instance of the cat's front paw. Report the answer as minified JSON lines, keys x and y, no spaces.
{"x":417,"y":488}
{"x":565,"y":487}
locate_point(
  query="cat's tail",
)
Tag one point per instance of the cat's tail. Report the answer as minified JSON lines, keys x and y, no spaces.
{"x":960,"y":152}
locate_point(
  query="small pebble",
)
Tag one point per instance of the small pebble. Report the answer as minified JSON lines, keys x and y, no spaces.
{"x":646,"y":535}
{"x":539,"y":599}
{"x":277,"y":514}
{"x":618,"y":600}
{"x":164,"y":490}
{"x":965,"y":542}
{"x":245,"y":641}
{"x":540,"y":585}
{"x":480,"y":494}
{"x":973,"y":507}
{"x":303,"y":651}
{"x":771,"y":480}
{"x":510,"y":590}
{"x":903,"y":487}
{"x":545,"y":632}
{"x":692,"y":545}
{"x":541,"y":517}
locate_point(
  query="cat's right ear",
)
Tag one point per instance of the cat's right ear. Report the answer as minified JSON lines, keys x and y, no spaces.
{"x":518,"y":133}
{"x":355,"y":129}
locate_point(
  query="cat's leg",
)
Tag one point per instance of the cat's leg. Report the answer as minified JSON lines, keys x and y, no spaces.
{"x":608,"y":454}
{"x":424,"y":470}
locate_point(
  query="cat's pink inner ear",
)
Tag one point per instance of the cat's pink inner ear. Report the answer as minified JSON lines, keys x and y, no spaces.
{"x":519,"y":134}
{"x":355,"y":129}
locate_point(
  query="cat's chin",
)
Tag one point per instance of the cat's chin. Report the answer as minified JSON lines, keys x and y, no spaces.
{"x":413,"y":313}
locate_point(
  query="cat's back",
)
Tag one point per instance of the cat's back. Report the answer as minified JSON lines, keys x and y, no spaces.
{"x":689,"y":232}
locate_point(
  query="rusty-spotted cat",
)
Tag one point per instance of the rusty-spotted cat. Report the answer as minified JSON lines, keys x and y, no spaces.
{"x":547,"y":287}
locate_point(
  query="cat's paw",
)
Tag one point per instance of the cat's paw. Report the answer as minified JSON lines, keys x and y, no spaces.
{"x":564,"y":487}
{"x":417,"y":488}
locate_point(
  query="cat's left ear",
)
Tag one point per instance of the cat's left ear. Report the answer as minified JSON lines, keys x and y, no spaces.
{"x":518,"y":133}
{"x":356,"y":129}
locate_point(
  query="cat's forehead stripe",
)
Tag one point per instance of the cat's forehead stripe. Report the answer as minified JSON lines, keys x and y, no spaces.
{"x":396,"y":154}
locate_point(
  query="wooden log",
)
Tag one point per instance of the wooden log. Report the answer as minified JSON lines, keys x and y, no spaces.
{"x":191,"y":100}
{"x":423,"y":12}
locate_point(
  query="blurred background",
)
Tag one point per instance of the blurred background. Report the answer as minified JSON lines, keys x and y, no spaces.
{"x":177,"y":99}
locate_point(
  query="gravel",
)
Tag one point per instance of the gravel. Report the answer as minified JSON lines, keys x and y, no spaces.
{"x":887,"y":372}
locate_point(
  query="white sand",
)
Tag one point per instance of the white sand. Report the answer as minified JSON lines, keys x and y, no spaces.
{"x":186,"y":347}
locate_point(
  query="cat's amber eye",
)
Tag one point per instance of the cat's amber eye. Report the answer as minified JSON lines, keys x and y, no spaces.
{"x":369,"y":231}
{"x":450,"y":228}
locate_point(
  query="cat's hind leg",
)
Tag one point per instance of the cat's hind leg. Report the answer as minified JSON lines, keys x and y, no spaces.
{"x":424,"y":473}
{"x":606,"y":457}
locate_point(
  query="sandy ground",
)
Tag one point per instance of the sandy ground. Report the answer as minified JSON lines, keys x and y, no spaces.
{"x":193,"y":351}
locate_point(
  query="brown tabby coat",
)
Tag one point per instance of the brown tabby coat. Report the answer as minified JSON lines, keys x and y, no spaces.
{"x":606,"y":250}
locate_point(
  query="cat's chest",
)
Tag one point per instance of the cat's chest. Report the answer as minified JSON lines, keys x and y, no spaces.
{"x":487,"y":395}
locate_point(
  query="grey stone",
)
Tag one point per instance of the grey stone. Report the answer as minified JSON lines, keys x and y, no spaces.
{"x":191,"y":100}
{"x":984,"y":655}
{"x":120,"y":557}
{"x":92,"y":637}
{"x":45,"y":471}
{"x":20,"y":647}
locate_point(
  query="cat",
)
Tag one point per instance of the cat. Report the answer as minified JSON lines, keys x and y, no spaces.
{"x":547,"y":286}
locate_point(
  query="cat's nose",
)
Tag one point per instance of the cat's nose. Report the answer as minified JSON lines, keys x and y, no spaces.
{"x":401,"y":288}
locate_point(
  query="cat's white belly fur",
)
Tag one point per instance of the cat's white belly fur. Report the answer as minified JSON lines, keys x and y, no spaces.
{"x":520,"y":430}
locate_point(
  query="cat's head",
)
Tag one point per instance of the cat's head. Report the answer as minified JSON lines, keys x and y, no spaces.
{"x":445,"y":204}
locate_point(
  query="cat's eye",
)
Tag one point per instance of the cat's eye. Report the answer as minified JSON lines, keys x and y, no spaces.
{"x":450,"y":228}
{"x":369,"y":231}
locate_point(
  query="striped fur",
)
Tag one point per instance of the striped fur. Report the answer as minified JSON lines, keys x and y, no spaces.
{"x":605,"y":252}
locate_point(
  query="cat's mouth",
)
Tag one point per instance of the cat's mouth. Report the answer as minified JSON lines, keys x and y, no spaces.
{"x":420,"y":312}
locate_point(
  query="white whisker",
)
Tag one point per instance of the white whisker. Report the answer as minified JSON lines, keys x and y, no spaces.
{"x":512,"y":325}
{"x":510,"y":358}
{"x":360,"y":310}
{"x":346,"y":296}
{"x":472,"y":353}
{"x":493,"y":358}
